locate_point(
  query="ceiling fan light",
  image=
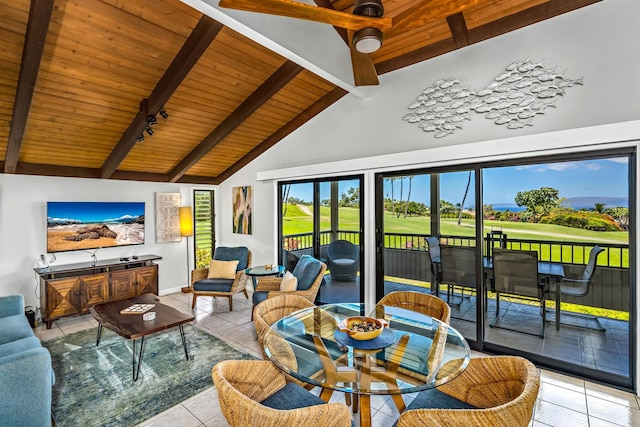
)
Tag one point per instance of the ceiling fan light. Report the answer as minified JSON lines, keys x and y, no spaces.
{"x":371,"y":8}
{"x":367,"y":40}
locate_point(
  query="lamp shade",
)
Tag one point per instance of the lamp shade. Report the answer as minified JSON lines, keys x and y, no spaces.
{"x":186,"y":221}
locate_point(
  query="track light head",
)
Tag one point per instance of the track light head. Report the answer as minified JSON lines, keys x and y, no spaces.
{"x":163,"y":113}
{"x":152,"y":120}
{"x":149,"y":130}
{"x":140,"y":138}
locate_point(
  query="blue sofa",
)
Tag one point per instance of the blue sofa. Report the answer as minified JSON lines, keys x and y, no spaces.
{"x":26,"y":376}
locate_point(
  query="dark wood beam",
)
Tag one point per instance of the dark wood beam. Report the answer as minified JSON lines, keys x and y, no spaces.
{"x":78,"y":172}
{"x":196,"y":44}
{"x":284,"y":131}
{"x":459,"y":31}
{"x":262,"y":94}
{"x":501,"y":26}
{"x":37,"y":28}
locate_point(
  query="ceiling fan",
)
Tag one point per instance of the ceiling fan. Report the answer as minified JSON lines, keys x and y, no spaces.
{"x":365,"y":25}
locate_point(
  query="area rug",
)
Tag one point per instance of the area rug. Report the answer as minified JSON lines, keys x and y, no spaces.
{"x":94,"y":386}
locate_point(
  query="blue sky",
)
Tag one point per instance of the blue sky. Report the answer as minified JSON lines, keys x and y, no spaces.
{"x":589,"y":178}
{"x":93,"y":211}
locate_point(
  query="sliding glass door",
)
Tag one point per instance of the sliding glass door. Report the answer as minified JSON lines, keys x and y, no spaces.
{"x":323,"y":218}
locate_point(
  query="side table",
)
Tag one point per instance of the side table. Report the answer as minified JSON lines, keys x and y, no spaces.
{"x":263,"y":271}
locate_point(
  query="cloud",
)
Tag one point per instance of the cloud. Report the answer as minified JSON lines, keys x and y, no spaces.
{"x":562,"y":166}
{"x":622,"y":160}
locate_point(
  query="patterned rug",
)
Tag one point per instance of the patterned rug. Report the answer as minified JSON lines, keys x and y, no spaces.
{"x":94,"y":385}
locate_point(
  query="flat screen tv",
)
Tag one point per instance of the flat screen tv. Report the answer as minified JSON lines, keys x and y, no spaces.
{"x":91,"y":225}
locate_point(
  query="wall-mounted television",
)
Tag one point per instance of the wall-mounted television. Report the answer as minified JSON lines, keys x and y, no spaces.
{"x":91,"y":225}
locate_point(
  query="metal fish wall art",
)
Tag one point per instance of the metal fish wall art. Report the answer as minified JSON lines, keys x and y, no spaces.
{"x":513,"y":99}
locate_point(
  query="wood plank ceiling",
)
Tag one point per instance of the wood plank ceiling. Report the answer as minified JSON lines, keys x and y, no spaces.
{"x":80,"y":78}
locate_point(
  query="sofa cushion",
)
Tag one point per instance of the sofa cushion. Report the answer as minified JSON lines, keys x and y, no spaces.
{"x":292,"y":396}
{"x":213,"y":285}
{"x":14,"y":327}
{"x":307,"y":271}
{"x":19,"y":346}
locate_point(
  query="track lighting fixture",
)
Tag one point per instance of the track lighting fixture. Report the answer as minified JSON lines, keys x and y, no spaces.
{"x":149,"y":130}
{"x":163,"y":113}
{"x":140,"y":138}
{"x":152,"y":120}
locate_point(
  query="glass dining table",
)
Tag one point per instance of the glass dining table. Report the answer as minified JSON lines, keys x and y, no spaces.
{"x":414,"y":352}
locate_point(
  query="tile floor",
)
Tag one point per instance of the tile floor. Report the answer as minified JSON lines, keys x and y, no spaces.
{"x":563,"y":401}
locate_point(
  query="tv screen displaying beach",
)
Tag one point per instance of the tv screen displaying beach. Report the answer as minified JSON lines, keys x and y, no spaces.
{"x":91,"y":225}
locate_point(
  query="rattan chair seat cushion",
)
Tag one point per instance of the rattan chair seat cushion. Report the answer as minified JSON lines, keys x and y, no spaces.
{"x":291,"y":396}
{"x":435,"y":399}
{"x":213,"y":285}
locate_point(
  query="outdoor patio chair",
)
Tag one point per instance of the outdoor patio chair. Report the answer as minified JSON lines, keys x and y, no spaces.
{"x":208,"y":282}
{"x":253,"y":393}
{"x":515,"y":273}
{"x":343,"y":259}
{"x":434,"y":259}
{"x":580,"y":286}
{"x":496,"y":391}
{"x":458,"y":269}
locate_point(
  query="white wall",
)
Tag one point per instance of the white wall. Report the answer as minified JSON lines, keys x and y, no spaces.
{"x":23,"y":227}
{"x":598,"y":41}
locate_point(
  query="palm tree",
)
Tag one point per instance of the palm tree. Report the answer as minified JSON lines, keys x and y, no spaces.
{"x":401,"y":184}
{"x":466,"y":192}
{"x":406,"y":207}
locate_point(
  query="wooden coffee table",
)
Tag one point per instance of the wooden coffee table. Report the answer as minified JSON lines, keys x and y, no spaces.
{"x":132,"y":326}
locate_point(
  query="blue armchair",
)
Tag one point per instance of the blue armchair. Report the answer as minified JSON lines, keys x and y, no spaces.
{"x":26,"y":376}
{"x":204,"y":286}
{"x":343,"y":259}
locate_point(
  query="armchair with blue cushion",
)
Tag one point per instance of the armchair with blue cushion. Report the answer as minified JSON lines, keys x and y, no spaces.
{"x":204,"y":286}
{"x":343,"y":259}
{"x":26,"y":376}
{"x":309,"y":271}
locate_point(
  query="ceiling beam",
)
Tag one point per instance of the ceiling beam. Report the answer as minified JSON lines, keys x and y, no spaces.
{"x":37,"y":28}
{"x":262,"y":94}
{"x":284,"y":131}
{"x":501,"y":26}
{"x":342,"y":32}
{"x":459,"y":31}
{"x":194,"y":47}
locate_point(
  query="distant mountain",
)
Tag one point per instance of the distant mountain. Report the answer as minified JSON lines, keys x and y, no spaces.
{"x":590,"y":202}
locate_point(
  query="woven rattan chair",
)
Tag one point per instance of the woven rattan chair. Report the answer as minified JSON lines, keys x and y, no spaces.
{"x":273,"y":309}
{"x":256,"y":393}
{"x":493,"y":392}
{"x":203,"y":286}
{"x":422,"y":303}
{"x":309,"y":272}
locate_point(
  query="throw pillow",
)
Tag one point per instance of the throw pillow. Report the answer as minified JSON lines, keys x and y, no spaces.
{"x":222,"y":269}
{"x":289,"y":282}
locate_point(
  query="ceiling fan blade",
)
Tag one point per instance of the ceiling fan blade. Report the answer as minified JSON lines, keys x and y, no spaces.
{"x":364,"y":70}
{"x":299,"y":10}
{"x":425,"y":12}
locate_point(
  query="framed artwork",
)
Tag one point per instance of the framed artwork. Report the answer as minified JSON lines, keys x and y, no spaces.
{"x":242,"y":209}
{"x":168,"y":217}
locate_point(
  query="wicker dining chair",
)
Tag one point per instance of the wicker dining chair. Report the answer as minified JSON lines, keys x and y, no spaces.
{"x":496,"y":391}
{"x":256,"y":393}
{"x":416,"y":301}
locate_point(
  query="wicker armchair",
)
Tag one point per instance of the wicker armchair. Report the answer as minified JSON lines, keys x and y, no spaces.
{"x":202,"y":286}
{"x":273,"y":309}
{"x":309,"y":272}
{"x":244,"y":385}
{"x":422,"y":303}
{"x":493,"y":392}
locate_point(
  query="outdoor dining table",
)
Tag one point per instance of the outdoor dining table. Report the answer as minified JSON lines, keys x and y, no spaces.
{"x":414,"y":353}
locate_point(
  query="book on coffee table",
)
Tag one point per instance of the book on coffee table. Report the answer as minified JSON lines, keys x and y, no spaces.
{"x":137,"y":308}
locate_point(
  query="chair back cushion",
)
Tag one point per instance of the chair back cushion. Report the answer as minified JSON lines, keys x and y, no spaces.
{"x":307,"y":271}
{"x":289,"y":283}
{"x":240,"y":253}
{"x":222,"y":269}
{"x":434,"y":248}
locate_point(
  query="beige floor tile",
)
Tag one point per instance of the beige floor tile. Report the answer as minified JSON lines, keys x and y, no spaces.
{"x":620,"y":414}
{"x":611,"y":394}
{"x":551,"y":393}
{"x":202,"y":407}
{"x":559,"y":416}
{"x":176,"y":416}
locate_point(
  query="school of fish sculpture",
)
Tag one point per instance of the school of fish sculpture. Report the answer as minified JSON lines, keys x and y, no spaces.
{"x":513,"y":99}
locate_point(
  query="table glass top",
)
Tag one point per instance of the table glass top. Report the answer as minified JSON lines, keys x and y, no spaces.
{"x":263,"y":270}
{"x":418,"y":352}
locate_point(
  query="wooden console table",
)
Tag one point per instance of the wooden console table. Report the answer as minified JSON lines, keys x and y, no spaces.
{"x":71,"y":289}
